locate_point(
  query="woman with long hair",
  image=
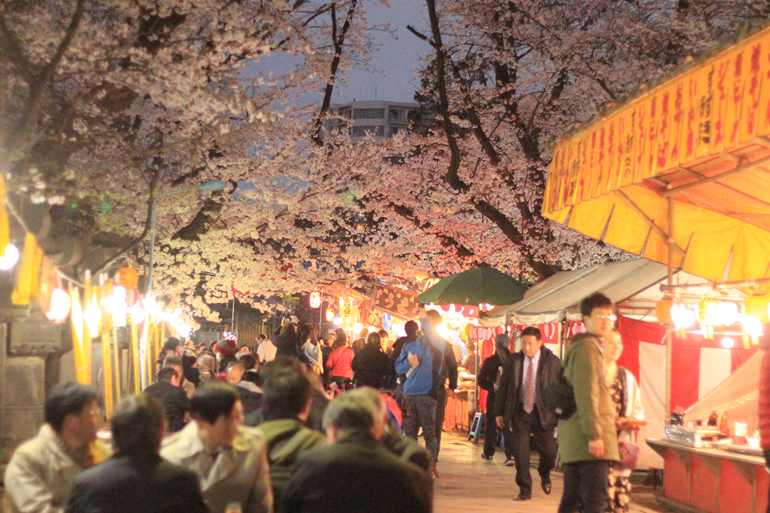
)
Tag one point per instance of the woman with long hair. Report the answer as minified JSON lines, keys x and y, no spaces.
{"x":371,"y":364}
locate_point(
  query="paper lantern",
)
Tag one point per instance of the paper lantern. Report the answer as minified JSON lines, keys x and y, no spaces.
{"x":757,"y":306}
{"x":315,"y":300}
{"x":9,"y":258}
{"x":60,"y":306}
{"x":727,"y":313}
{"x":663,"y":311}
{"x":329,"y":315}
{"x":752,"y":326}
{"x":707,"y":312}
{"x":127,"y":277}
{"x":681,"y":316}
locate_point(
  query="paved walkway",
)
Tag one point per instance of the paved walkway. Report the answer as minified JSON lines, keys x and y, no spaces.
{"x":468,"y":484}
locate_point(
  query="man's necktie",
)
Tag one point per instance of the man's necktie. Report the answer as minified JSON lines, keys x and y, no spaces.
{"x":529,"y":392}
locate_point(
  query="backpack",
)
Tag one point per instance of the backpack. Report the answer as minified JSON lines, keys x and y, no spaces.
{"x":559,"y":398}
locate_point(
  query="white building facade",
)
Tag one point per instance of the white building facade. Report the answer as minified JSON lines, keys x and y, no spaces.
{"x":379,"y":119}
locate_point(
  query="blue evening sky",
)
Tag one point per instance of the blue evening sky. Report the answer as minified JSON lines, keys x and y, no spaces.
{"x":394,"y":59}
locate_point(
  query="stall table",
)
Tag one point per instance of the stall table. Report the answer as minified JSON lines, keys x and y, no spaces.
{"x":456,"y":414}
{"x":712,"y":480}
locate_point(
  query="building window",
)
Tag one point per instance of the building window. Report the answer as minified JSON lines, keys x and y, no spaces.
{"x":396,"y":115}
{"x":362,"y":131}
{"x":369,"y":114}
{"x":394,"y":130}
{"x":345,"y":113}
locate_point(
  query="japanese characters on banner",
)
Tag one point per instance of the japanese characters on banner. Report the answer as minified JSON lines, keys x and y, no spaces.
{"x":397,"y":302}
{"x":714,"y":107}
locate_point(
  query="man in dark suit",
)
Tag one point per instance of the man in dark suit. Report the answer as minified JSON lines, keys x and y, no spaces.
{"x":519,"y":402}
{"x":173,"y":397}
{"x":136,"y":479}
{"x":368,"y":477}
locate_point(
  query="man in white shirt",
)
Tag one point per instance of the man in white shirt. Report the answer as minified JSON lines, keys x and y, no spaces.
{"x":266,"y":349}
{"x":520,"y":401}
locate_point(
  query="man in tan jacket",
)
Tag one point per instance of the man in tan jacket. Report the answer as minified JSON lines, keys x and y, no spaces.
{"x":230,"y":459}
{"x":41,"y":473}
{"x":588,"y":440}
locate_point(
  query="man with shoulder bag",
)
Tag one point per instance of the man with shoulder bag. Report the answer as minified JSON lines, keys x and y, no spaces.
{"x":588,"y":439}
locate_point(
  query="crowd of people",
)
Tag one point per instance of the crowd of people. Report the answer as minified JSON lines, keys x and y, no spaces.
{"x":280,"y":426}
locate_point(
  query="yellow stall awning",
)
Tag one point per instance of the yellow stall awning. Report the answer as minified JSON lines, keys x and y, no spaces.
{"x":701,"y":139}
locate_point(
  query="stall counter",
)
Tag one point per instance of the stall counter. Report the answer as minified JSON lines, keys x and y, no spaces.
{"x":712,"y":480}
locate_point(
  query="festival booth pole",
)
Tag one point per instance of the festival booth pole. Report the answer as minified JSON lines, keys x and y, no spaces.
{"x":676,"y":175}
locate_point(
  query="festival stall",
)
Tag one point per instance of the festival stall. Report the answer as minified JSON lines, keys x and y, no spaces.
{"x":461,"y":297}
{"x":634,"y":285}
{"x":678,"y":175}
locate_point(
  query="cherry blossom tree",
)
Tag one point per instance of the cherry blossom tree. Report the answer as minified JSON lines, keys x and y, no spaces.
{"x":107,"y":104}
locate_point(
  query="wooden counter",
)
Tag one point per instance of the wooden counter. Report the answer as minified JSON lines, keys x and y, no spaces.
{"x":712,"y":480}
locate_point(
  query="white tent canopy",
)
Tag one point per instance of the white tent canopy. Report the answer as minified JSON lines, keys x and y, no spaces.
{"x":633,"y":285}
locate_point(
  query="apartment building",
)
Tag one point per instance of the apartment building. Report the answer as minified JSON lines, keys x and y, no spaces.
{"x":378,"y":118}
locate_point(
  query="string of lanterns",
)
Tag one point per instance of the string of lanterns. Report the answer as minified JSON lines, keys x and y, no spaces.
{"x":724,"y":316}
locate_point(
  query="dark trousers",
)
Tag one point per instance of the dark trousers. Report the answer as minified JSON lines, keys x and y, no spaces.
{"x":421,"y":412}
{"x":490,"y":437}
{"x":440,"y":412}
{"x":523,"y":425}
{"x":585,"y":483}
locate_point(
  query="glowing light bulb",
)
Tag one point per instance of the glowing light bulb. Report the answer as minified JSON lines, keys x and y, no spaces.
{"x":338,"y":321}
{"x":92,"y":316}
{"x":752,"y":326}
{"x":727,"y":342}
{"x":184,"y":330}
{"x":60,"y":306}
{"x":358,"y":327}
{"x":682,"y":316}
{"x":727,"y":313}
{"x":9,"y":258}
{"x":137,"y":314}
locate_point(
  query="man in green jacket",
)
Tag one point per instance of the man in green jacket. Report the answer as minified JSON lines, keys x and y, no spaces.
{"x":588,"y":439}
{"x":287,"y":399}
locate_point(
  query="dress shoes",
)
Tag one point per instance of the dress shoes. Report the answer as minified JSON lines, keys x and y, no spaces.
{"x":546,"y":487}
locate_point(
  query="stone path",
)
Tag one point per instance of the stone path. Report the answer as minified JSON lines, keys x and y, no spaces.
{"x":468,"y":484}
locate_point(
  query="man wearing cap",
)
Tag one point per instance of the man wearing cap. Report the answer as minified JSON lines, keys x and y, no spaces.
{"x":489,"y":380}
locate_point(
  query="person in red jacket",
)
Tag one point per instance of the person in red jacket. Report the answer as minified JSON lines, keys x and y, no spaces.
{"x":764,"y":398}
{"x":340,"y":360}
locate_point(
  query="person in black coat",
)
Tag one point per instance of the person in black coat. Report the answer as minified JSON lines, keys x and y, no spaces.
{"x":287,"y":343}
{"x":371,"y":364}
{"x":519,"y":403}
{"x":136,"y":479}
{"x":173,"y":397}
{"x":364,"y":475}
{"x":488,"y":380}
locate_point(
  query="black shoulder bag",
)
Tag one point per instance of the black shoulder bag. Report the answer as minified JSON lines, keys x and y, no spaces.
{"x":559,"y":398}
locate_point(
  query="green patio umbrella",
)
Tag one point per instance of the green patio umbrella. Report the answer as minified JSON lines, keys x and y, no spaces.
{"x":483,"y":285}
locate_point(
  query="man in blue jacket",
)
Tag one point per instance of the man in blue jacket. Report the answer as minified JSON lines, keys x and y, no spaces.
{"x":421,"y":362}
